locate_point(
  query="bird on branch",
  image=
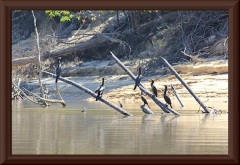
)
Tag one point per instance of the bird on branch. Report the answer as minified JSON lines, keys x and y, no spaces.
{"x":154,"y":89}
{"x":100,"y":90}
{"x":138,"y":78}
{"x":166,"y":98}
{"x":58,"y":69}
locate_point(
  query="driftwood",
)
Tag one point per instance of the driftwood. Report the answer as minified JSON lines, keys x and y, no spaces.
{"x":145,"y":90}
{"x":146,"y":109}
{"x":184,"y":84}
{"x":15,"y":91}
{"x":15,"y":85}
{"x":41,"y":98}
{"x":63,"y":52}
{"x":90,"y":92}
{"x":177,"y":96}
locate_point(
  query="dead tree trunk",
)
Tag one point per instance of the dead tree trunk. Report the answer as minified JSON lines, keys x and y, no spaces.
{"x":41,"y":98}
{"x":146,"y":110}
{"x":184,"y":84}
{"x":177,"y":96}
{"x":145,"y":90}
{"x":63,"y":52}
{"x":39,"y":57}
{"x":90,"y":92}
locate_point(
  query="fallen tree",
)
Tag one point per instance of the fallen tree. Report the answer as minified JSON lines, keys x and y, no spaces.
{"x":90,"y":92}
{"x":144,"y":89}
{"x":61,"y":101}
{"x":102,"y":38}
{"x":177,"y":96}
{"x":184,"y":84}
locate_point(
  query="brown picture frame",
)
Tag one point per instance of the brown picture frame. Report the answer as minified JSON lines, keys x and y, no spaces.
{"x":5,"y":83}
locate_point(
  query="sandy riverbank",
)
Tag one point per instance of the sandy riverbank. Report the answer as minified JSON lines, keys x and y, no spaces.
{"x":212,"y":87}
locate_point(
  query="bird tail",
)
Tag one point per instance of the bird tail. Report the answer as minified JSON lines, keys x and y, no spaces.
{"x":148,"y":106}
{"x":97,"y":98}
{"x":56,"y":79}
{"x":171,"y":105}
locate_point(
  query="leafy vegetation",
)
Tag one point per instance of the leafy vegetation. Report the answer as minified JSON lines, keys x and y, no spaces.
{"x":64,"y":15}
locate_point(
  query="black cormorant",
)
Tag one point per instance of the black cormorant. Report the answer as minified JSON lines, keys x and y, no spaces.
{"x":100,"y":90}
{"x":58,"y":69}
{"x":154,"y":89}
{"x":166,"y":98}
{"x":138,"y":78}
{"x":144,"y":100}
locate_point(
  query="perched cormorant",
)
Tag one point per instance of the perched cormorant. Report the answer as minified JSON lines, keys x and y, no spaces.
{"x":100,"y":90}
{"x":166,"y":98}
{"x":58,"y":69}
{"x":138,"y":78}
{"x":154,"y":89}
{"x":144,"y":100}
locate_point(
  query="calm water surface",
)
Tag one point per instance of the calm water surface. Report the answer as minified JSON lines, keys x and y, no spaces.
{"x":101,"y":130}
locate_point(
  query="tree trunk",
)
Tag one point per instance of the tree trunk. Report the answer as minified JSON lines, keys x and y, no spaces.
{"x":184,"y":84}
{"x":177,"y":96}
{"x":90,"y":92}
{"x":63,"y":52}
{"x":145,"y":90}
{"x":39,"y":58}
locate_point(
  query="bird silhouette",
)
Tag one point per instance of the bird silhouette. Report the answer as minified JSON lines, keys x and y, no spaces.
{"x":138,"y":78}
{"x":58,"y":69}
{"x":154,"y":89}
{"x":144,"y":100}
{"x":100,"y":90}
{"x":166,"y":98}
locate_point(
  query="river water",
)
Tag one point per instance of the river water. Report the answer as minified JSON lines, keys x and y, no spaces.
{"x":102,"y":130}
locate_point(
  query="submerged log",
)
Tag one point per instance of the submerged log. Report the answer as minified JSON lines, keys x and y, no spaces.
{"x":184,"y":84}
{"x":177,"y":96}
{"x":144,"y":89}
{"x":146,"y":110}
{"x":90,"y":92}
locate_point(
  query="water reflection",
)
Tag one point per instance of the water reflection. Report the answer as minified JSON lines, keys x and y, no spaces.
{"x":103,"y":131}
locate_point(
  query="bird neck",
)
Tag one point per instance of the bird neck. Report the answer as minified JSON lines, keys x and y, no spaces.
{"x":165,"y":91}
{"x":102,"y":82}
{"x":139,"y":72}
{"x":152,"y":83}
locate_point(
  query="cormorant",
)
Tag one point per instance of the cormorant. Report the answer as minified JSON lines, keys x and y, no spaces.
{"x":58,"y":69}
{"x":166,"y":98}
{"x":154,"y":89}
{"x":138,"y":78}
{"x":100,"y":90}
{"x":144,"y":100}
